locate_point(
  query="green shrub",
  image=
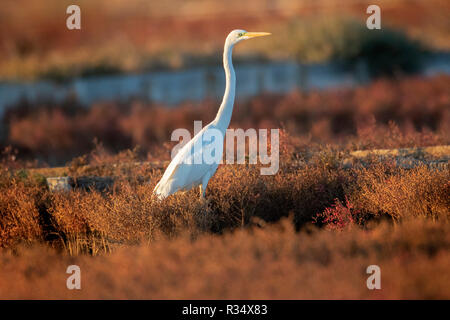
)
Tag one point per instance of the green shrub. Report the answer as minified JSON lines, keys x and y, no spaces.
{"x":385,"y":52}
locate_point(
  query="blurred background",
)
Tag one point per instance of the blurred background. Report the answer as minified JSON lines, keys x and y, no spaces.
{"x":138,"y":69}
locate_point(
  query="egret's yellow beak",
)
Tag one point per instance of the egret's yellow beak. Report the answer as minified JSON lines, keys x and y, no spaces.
{"x":256,"y":34}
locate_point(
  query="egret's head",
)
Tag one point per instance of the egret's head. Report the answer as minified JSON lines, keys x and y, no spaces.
{"x":236,"y":36}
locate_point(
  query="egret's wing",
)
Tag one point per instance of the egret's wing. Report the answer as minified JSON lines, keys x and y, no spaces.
{"x":188,"y":167}
{"x":193,"y":165}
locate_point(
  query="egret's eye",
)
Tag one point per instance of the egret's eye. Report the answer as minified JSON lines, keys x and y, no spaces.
{"x":241,"y":34}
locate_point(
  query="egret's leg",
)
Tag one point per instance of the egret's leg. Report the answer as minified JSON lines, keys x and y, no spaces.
{"x":204,"y":184}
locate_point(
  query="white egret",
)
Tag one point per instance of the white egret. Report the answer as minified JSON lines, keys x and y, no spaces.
{"x":183,"y":173}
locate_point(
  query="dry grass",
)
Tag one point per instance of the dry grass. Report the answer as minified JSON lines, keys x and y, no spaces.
{"x":383,"y":114}
{"x":90,"y":221}
{"x":129,"y":245}
{"x":272,"y":262}
{"x":407,"y":194}
{"x":19,"y":214}
{"x":309,"y":231}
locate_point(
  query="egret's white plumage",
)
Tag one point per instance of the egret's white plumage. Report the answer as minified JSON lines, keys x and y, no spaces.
{"x":183,"y":173}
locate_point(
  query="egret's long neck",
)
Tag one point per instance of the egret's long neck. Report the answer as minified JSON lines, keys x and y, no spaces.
{"x":226,"y":108}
